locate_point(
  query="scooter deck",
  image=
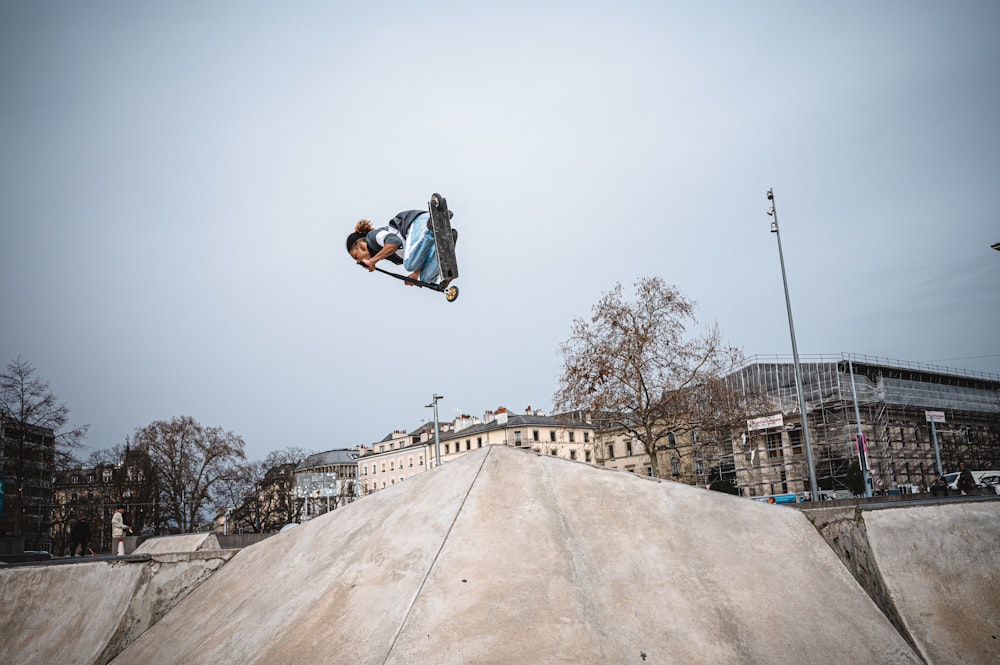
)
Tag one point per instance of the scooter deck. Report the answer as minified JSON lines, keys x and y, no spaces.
{"x":444,"y":241}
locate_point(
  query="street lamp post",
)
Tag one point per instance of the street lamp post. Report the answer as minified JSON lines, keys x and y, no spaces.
{"x":437,"y":436}
{"x":814,"y":491}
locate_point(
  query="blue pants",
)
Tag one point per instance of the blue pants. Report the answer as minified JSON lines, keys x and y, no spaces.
{"x":419,"y":252}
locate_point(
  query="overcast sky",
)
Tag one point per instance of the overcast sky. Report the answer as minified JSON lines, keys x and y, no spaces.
{"x":177,"y":180}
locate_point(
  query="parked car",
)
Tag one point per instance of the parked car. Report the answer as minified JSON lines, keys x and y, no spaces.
{"x":952,"y":478}
{"x":992,"y":482}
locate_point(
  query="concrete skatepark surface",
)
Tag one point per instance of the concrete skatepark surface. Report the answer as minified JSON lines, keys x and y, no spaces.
{"x":86,"y":611}
{"x":505,"y":556}
{"x":952,"y":611}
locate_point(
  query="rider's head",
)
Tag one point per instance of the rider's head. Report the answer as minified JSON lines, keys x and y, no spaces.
{"x":357,"y":246}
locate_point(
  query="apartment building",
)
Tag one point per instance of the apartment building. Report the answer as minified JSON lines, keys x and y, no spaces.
{"x":27,"y":463}
{"x":86,"y":496}
{"x":549,"y":435}
{"x":402,"y":455}
{"x":398,"y":456}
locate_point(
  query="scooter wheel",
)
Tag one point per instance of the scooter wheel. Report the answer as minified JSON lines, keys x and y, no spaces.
{"x":451,"y":293}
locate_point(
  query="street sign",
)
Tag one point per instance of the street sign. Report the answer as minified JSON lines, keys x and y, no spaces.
{"x":934,"y":416}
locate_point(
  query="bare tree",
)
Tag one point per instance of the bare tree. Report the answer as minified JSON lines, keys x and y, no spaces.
{"x":190,"y":461}
{"x":287,"y":503}
{"x":32,"y":445}
{"x":638,"y":368}
{"x":260,"y":496}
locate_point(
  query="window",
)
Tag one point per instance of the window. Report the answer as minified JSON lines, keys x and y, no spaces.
{"x":107,"y":476}
{"x":671,"y":439}
{"x":534,"y":435}
{"x":468,"y":444}
{"x":611,"y":451}
{"x":420,"y":460}
{"x":774,"y":444}
{"x":649,"y":471}
{"x":572,"y":437}
{"x":392,"y":465}
{"x":446,"y":449}
{"x":572,"y":454}
{"x":586,"y":454}
{"x":517,"y":437}
{"x":675,"y":467}
{"x":553,"y":451}
{"x":479,"y":442}
{"x":75,"y":479}
{"x":795,"y":441}
{"x":90,"y":478}
{"x":552,"y":435}
{"x":410,"y":460}
{"x":628,"y":447}
{"x":586,"y":437}
{"x":381,"y":449}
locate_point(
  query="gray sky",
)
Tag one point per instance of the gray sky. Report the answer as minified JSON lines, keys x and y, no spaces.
{"x":177,"y":181}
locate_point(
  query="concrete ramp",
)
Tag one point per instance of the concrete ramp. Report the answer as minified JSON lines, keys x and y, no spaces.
{"x":187,"y":542}
{"x":504,"y":556}
{"x":932,"y":561}
{"x":85,"y":613}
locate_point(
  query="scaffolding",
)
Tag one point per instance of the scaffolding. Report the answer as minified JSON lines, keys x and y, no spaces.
{"x":891,"y":398}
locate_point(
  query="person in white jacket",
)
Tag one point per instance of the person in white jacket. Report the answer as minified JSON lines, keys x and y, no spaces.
{"x":118,"y":529}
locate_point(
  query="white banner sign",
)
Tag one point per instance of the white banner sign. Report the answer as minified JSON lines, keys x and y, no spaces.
{"x":315,"y":484}
{"x":765,"y":422}
{"x":934,"y":416}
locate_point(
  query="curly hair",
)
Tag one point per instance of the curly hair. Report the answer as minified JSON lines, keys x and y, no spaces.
{"x":361,"y":229}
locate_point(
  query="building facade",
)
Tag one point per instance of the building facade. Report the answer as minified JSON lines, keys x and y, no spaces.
{"x":403,"y":455}
{"x":27,"y":464}
{"x":906,"y":415}
{"x":398,"y":456}
{"x":327,"y":480}
{"x":86,"y":497}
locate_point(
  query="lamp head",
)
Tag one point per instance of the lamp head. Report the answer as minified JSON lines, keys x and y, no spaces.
{"x":774,"y":227}
{"x":770,"y":195}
